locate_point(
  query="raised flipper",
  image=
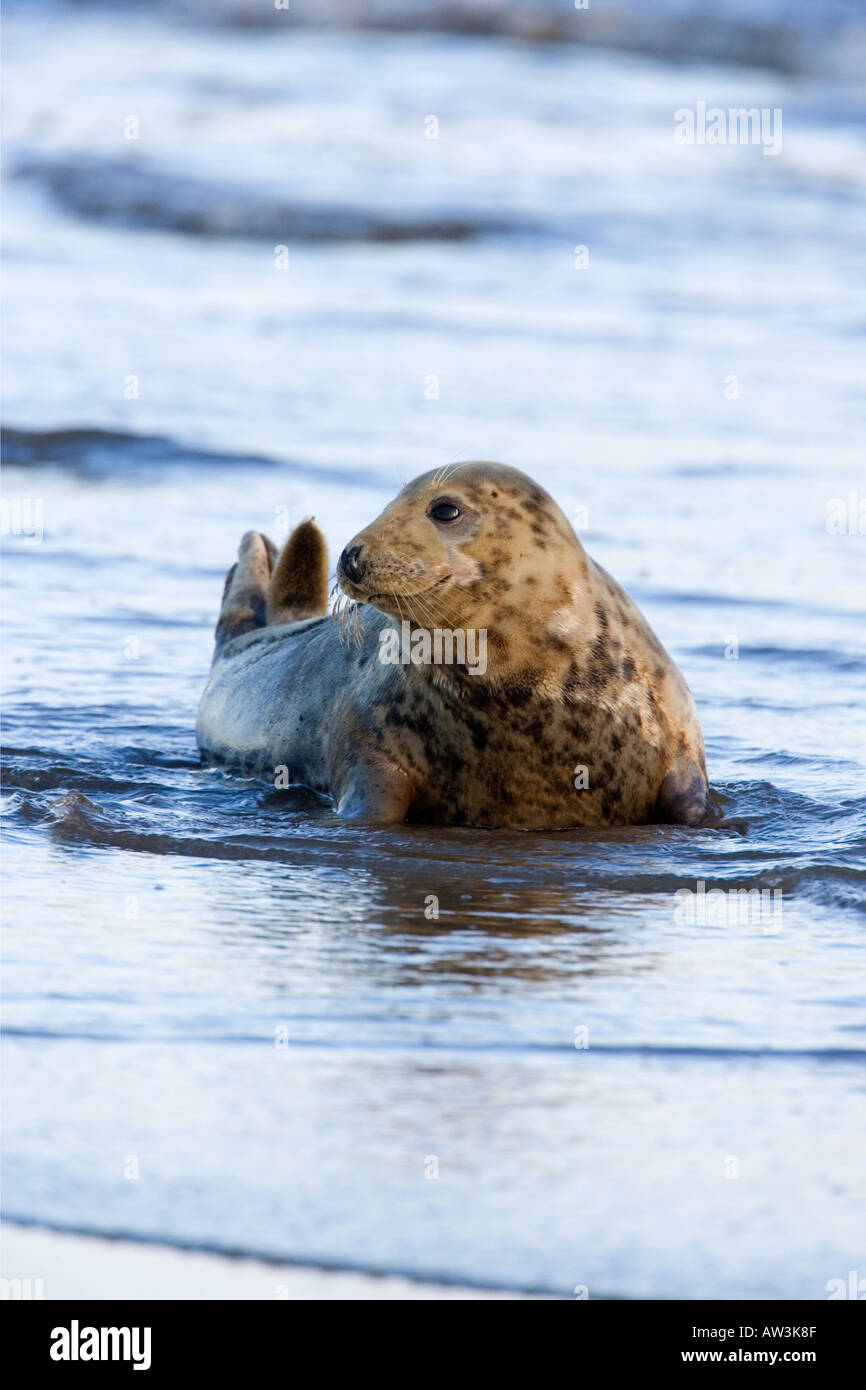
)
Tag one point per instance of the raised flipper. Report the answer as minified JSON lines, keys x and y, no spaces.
{"x":683,"y":795}
{"x":246,"y":587}
{"x":299,"y":584}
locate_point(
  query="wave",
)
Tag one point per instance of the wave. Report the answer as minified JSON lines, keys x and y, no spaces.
{"x":795,"y":37}
{"x":296,"y":828}
{"x":295,"y":1261}
{"x":95,"y":451}
{"x":134,"y":193}
{"x":829,"y":1056}
{"x":709,"y":599}
{"x":824,"y":659}
{"x":783,"y":35}
{"x":97,"y":454}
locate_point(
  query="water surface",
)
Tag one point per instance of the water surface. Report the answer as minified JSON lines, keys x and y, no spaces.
{"x":224,"y":982}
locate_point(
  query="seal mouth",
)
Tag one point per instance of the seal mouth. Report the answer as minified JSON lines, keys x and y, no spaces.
{"x":394,"y":594}
{"x":416,"y":593}
{"x":399,"y":596}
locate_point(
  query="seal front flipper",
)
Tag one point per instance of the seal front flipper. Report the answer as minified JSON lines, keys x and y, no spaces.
{"x":246,"y":586}
{"x":299,"y":584}
{"x":683,"y":796}
{"x":373,"y":788}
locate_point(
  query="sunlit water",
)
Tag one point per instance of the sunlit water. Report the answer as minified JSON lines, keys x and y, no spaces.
{"x":225,"y":983}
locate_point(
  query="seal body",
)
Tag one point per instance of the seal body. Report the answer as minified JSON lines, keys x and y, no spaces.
{"x":559,"y":707}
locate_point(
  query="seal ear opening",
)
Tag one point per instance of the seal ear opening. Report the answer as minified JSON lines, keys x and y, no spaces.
{"x":299,"y":583}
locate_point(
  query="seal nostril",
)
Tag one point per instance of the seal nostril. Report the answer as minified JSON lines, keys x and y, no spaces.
{"x":350,"y":563}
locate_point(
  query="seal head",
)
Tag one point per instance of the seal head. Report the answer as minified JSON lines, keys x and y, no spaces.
{"x":478,"y":545}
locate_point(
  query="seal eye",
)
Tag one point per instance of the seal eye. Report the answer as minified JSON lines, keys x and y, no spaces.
{"x":443,"y":510}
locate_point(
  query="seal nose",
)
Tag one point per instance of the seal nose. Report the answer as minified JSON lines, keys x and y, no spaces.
{"x":350,"y":563}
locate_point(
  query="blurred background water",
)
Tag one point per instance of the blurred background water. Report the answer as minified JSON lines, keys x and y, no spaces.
{"x":243,"y":286}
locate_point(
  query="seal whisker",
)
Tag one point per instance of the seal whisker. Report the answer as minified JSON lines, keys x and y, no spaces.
{"x":421,"y":609}
{"x":444,"y":617}
{"x":444,"y":474}
{"x":396,"y":598}
{"x":434,"y":617}
{"x":348,"y":615}
{"x":422,"y":616}
{"x":445,"y":614}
